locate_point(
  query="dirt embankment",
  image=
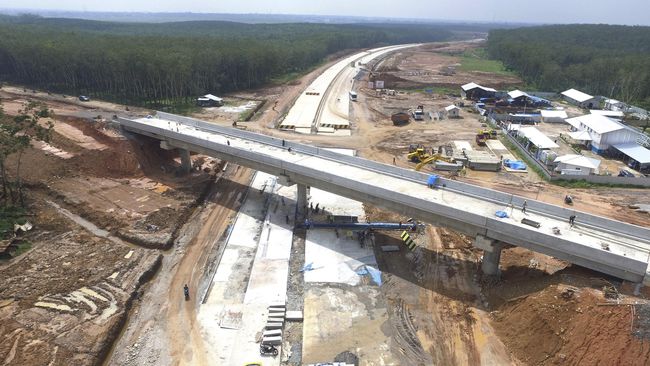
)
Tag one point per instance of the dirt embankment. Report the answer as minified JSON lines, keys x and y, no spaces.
{"x":557,"y":326}
{"x":64,"y":301}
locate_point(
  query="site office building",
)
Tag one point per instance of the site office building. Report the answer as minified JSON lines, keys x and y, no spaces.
{"x":604,"y":132}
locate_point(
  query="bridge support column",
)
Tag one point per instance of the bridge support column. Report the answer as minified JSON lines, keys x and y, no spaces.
{"x":301,"y":201}
{"x":186,"y":161}
{"x":491,"y":254}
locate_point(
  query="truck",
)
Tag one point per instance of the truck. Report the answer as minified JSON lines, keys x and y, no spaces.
{"x":418,"y":113}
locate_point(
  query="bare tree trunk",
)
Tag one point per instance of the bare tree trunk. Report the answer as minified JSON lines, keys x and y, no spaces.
{"x":21,"y":196}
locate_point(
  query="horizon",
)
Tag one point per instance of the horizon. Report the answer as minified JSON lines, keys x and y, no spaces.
{"x":446,"y":11}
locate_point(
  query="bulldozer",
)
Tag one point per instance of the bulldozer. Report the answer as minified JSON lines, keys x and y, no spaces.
{"x":431,"y":159}
{"x":417,"y":153}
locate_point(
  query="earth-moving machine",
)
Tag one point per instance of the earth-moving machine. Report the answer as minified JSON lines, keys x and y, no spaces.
{"x":417,"y":153}
{"x":431,"y":159}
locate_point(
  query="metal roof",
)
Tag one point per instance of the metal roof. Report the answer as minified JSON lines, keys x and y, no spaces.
{"x":580,"y":136}
{"x":471,"y":86}
{"x":451,"y":107}
{"x":635,"y":151}
{"x":537,"y":138}
{"x":611,"y":114}
{"x":599,"y":124}
{"x":553,"y":114}
{"x":577,"y":95}
{"x":578,"y":160}
{"x":517,"y":93}
{"x":212,"y":97}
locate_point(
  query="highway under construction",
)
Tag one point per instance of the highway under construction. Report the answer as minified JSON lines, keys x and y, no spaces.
{"x":605,"y":245}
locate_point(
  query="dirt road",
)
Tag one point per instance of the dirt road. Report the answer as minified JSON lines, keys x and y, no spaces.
{"x":163,"y":328}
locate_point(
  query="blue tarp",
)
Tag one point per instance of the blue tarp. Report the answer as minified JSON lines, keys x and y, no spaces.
{"x":374,"y":273}
{"x":501,"y":214}
{"x":307,"y":267}
{"x":433,"y":180}
{"x":515,"y":164}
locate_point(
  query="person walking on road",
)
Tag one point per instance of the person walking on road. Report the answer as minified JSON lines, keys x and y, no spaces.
{"x":523,"y":207}
{"x":572,"y":220}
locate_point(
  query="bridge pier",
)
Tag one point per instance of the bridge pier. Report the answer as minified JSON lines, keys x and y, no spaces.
{"x":301,"y":201}
{"x":491,"y":254}
{"x":186,"y":161}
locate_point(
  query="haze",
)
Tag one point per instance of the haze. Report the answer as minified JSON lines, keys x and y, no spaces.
{"x":630,"y":12}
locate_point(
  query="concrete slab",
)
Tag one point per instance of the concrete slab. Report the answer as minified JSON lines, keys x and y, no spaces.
{"x":251,"y":276}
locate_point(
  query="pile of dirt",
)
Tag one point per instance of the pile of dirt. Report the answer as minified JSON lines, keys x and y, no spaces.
{"x":566,"y":325}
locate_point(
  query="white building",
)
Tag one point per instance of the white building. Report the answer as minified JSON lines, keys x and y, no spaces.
{"x":553,"y":116}
{"x":573,"y":164}
{"x":580,"y":99}
{"x":604,"y":132}
{"x":452,"y":111}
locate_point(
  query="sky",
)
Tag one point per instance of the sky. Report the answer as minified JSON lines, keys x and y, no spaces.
{"x":630,"y":12}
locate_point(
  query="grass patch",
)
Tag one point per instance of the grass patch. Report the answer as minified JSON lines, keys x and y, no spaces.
{"x":477,"y":60}
{"x":434,"y":89}
{"x":585,"y":185}
{"x":9,"y":216}
{"x":22,"y":247}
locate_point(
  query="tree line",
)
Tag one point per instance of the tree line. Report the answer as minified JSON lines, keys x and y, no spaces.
{"x":607,"y":60}
{"x":163,"y":64}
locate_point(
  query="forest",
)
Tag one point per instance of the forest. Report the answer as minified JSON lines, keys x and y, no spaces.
{"x":608,"y":60}
{"x":158,"y":64}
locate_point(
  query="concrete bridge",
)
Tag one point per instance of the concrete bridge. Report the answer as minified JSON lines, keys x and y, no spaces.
{"x":609,"y":246}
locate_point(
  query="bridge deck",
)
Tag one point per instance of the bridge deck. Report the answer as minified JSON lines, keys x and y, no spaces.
{"x":581,"y":240}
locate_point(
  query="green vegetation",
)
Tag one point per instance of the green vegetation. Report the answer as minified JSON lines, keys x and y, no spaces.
{"x":585,"y":185}
{"x":167,"y":64}
{"x":16,"y":135}
{"x":599,"y":59}
{"x":477,"y":60}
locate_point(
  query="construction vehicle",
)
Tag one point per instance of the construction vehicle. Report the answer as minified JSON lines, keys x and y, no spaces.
{"x":418,"y":113}
{"x":483,"y":135}
{"x":481,"y":138}
{"x":490,"y":133}
{"x":417,"y":153}
{"x":431,"y":159}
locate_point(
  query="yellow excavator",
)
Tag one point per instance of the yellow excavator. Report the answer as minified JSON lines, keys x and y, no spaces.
{"x":432,"y":159}
{"x":417,"y":153}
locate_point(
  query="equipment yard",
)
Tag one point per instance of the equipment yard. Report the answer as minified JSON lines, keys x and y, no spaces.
{"x":122,"y":221}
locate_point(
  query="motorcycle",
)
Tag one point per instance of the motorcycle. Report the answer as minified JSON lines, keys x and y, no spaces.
{"x":267,"y":349}
{"x":186,"y":291}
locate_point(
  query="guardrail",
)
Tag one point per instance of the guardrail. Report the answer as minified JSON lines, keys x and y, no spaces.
{"x":623,"y":229}
{"x":615,"y":264}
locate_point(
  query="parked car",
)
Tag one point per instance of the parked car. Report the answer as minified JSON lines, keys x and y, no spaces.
{"x":625,"y":173}
{"x":84,"y":98}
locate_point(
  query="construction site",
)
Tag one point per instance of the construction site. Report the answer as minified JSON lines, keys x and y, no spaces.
{"x":367,"y":213}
